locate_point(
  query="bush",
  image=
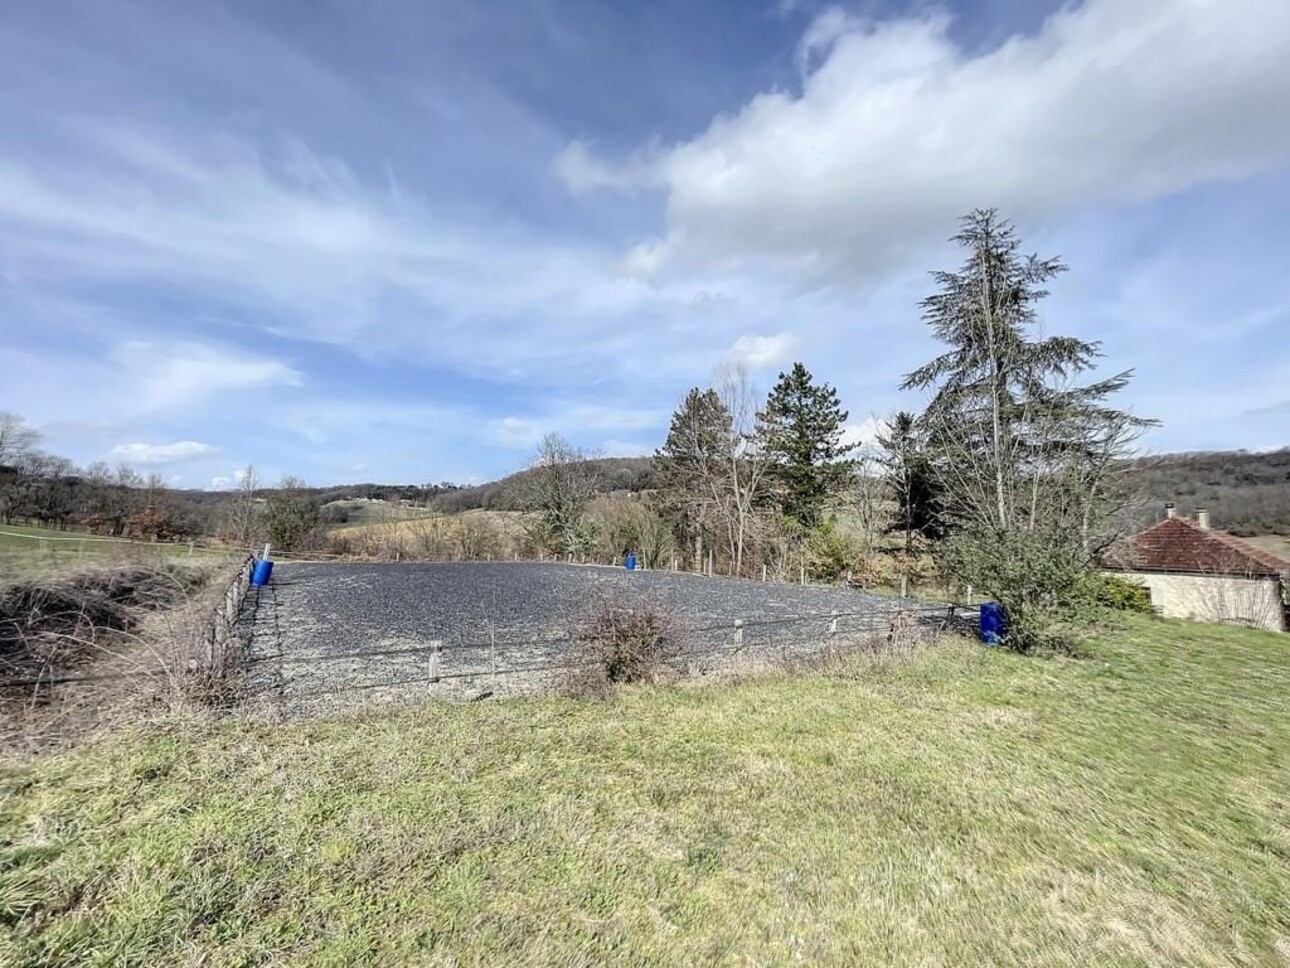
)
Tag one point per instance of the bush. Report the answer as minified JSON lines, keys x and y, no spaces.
{"x":1112,"y":591}
{"x":624,"y":642}
{"x":1039,"y":577}
{"x":831,"y":552}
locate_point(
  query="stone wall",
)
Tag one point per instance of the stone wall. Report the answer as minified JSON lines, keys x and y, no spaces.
{"x":1254,"y":602}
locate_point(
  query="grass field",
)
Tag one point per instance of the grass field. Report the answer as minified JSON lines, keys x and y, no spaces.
{"x":1277,"y":544}
{"x":26,"y":550}
{"x":964,"y":806}
{"x":376,"y":512}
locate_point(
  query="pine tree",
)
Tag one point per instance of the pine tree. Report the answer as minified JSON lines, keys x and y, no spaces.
{"x":800,"y":430}
{"x":692,"y":464}
{"x":1006,"y":419}
{"x":1025,"y":456}
{"x":907,"y":471}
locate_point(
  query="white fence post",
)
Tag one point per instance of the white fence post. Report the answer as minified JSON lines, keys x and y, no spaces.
{"x":739,"y":634}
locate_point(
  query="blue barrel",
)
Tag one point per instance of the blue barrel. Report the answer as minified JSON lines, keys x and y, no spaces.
{"x":261,"y":571}
{"x":630,"y":562}
{"x":994,"y":623}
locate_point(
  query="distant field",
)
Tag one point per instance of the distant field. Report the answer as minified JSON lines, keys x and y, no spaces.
{"x":25,"y":549}
{"x":375,"y":512}
{"x":1277,"y":544}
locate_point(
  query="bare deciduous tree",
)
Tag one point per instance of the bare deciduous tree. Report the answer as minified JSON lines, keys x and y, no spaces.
{"x":245,"y":510}
{"x":742,"y":483}
{"x":560,"y":484}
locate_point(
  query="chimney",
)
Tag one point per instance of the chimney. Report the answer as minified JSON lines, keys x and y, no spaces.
{"x":1202,"y":519}
{"x":1170,"y":510}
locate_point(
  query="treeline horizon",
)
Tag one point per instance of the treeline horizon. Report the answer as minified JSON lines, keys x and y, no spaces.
{"x":1247,"y":492}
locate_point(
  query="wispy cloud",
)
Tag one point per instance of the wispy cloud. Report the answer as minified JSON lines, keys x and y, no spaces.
{"x":163,"y":453}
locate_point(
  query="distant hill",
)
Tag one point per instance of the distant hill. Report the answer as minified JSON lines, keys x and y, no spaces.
{"x":1246,"y":493}
{"x":613,"y":474}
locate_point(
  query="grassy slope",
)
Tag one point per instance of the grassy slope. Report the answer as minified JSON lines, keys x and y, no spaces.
{"x":963,"y":807}
{"x":1277,"y":544}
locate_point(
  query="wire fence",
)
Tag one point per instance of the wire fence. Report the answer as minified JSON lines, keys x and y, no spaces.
{"x":244,"y":635}
{"x":493,"y":665}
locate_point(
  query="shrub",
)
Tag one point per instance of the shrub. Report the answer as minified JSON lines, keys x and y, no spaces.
{"x":831,"y":552}
{"x":1039,"y":577}
{"x":625,"y":641}
{"x":1112,"y":591}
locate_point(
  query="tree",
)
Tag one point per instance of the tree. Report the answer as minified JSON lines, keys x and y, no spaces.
{"x":746,"y":461}
{"x":559,"y":485}
{"x":1021,"y":452}
{"x":907,"y":472}
{"x":244,"y":511}
{"x":290,"y":514}
{"x":800,"y":431}
{"x":19,"y":442}
{"x":17,"y":438}
{"x":691,"y":464}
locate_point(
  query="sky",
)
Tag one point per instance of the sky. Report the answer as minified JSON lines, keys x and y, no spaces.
{"x":401,"y":241}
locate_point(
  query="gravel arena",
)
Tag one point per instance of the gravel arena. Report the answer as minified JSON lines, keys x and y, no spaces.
{"x":336,"y":637}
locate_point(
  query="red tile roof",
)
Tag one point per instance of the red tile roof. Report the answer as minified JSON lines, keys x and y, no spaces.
{"x":1179,"y":545}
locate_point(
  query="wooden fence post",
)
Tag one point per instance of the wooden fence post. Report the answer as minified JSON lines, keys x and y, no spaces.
{"x":436,"y":653}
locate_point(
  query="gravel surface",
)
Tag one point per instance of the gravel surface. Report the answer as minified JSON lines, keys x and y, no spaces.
{"x":339,"y":636}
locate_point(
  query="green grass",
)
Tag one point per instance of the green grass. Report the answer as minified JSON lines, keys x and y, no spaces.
{"x":962,"y":807}
{"x":25,"y":549}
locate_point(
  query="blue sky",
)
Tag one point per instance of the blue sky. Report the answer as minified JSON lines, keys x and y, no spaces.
{"x":400,"y":241}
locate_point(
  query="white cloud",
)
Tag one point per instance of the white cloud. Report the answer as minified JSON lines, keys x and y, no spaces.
{"x":163,"y":453}
{"x":515,"y":433}
{"x":162,"y":377}
{"x":755,"y":351}
{"x":574,"y":420}
{"x":625,"y":448}
{"x":863,"y":435}
{"x":897,"y":131}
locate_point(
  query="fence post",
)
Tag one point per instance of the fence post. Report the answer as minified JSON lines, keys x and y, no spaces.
{"x":904,"y":586}
{"x":436,"y":652}
{"x":739,"y":634}
{"x":969,"y":595}
{"x":709,"y":562}
{"x":802,"y":575}
{"x":763,"y":572}
{"x":833,"y":622}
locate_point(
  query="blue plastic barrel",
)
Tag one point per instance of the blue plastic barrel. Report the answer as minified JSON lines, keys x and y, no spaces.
{"x":261,"y":571}
{"x":630,"y":562}
{"x":994,"y":623}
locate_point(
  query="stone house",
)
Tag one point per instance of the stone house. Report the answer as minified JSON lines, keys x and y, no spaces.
{"x":1195,"y":572}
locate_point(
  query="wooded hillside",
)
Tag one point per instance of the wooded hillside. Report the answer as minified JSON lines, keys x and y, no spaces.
{"x":1246,"y":493}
